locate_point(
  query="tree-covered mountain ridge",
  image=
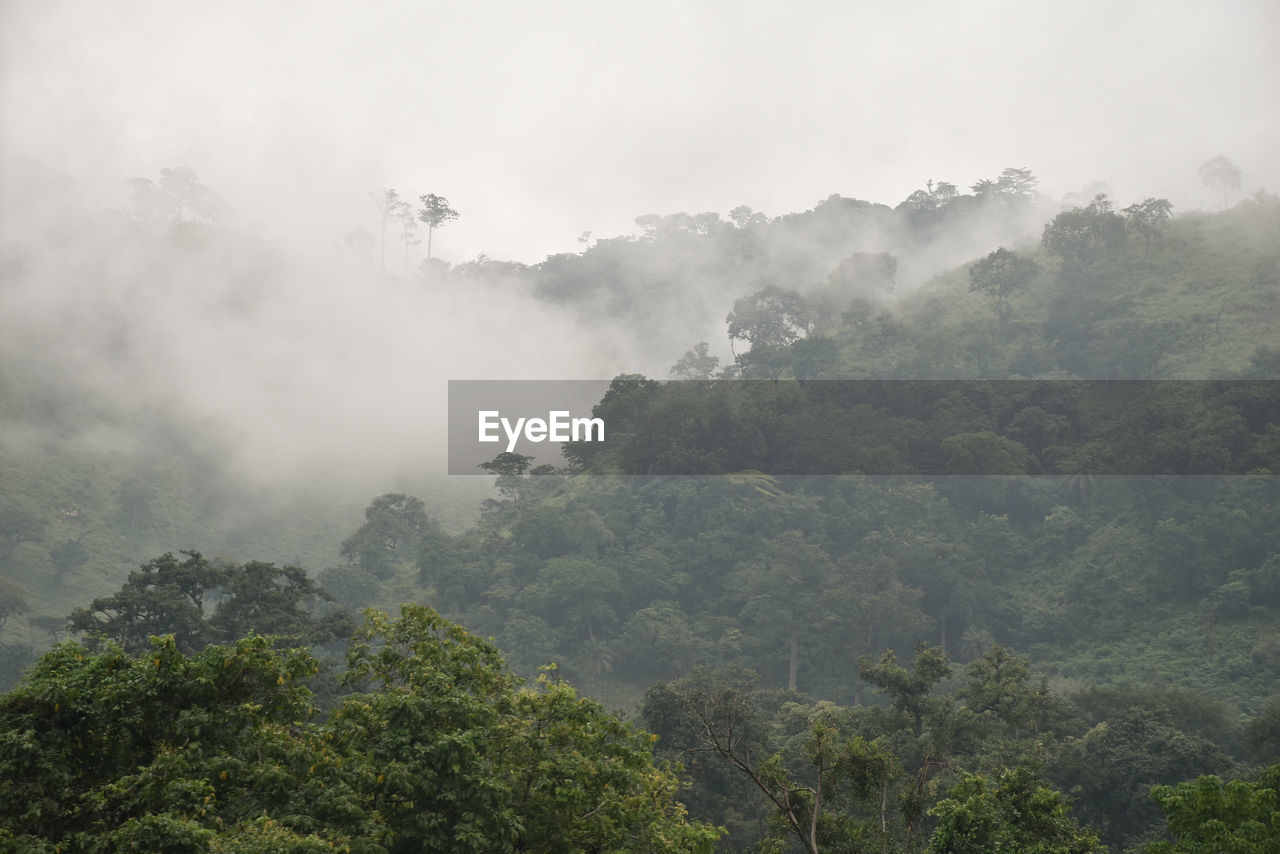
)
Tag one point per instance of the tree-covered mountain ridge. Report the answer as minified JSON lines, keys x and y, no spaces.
{"x":1149,"y":604}
{"x":997,"y":286}
{"x":1188,"y":296}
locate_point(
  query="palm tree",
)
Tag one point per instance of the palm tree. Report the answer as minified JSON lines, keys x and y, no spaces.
{"x":974,"y":642}
{"x":598,"y":656}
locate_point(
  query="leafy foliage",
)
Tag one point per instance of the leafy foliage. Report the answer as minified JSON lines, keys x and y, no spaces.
{"x":1014,"y":812}
{"x":394,"y":524}
{"x":438,"y":747}
{"x":1208,"y":815}
{"x":1098,"y":581}
{"x":1082,"y":235}
{"x":167,"y":596}
{"x":1000,"y":275}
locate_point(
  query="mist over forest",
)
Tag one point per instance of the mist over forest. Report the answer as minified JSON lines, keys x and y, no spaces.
{"x":244,"y":607}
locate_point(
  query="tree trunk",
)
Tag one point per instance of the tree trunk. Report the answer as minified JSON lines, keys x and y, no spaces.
{"x":795,"y":660}
{"x":382,"y":247}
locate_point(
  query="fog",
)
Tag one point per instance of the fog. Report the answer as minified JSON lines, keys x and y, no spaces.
{"x":542,"y":121}
{"x":281,"y":348}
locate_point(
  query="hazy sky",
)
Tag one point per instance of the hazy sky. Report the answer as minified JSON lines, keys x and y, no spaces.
{"x":542,"y":120}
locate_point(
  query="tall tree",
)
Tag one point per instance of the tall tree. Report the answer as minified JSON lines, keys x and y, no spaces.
{"x":1017,"y":183}
{"x":435,"y":213}
{"x":390,"y":206}
{"x":1221,"y":172}
{"x":1147,"y":217}
{"x":743,"y":216}
{"x":695,"y":364}
{"x":408,"y":225}
{"x":1000,"y":275}
{"x":783,"y":590}
{"x":178,"y":196}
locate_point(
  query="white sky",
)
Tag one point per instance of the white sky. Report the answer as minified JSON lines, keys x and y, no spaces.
{"x":541,"y":120}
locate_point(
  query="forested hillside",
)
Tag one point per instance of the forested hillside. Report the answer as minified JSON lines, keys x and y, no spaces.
{"x":840,"y":659}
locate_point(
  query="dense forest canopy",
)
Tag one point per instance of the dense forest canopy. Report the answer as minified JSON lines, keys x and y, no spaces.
{"x":852,"y":656}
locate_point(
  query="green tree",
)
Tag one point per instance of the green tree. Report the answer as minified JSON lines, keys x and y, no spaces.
{"x":1017,"y":183}
{"x":911,"y":690}
{"x":1208,"y":816}
{"x":137,"y":498}
{"x":19,"y":523}
{"x":457,"y":759}
{"x":782,"y":591}
{"x":815,"y":795}
{"x":508,"y":464}
{"x":1015,"y":811}
{"x":437,"y":748}
{"x":586,"y":781}
{"x":510,"y":469}
{"x":13,"y":600}
{"x":167,"y":596}
{"x":770,"y":317}
{"x":1148,"y":217}
{"x":695,"y":364}
{"x":1111,"y":769}
{"x":872,"y":605}
{"x":69,"y":555}
{"x":271,"y":600}
{"x":659,"y":639}
{"x":1000,"y":276}
{"x":161,"y":751}
{"x":1262,"y":734}
{"x":984,"y":453}
{"x":1000,"y":686}
{"x":814,"y":356}
{"x":392,"y":531}
{"x":1081,"y":235}
{"x":578,"y":594}
{"x":435,"y":213}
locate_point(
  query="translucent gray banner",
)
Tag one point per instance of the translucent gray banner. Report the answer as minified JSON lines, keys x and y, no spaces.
{"x":531,"y":418}
{"x":632,"y":425}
